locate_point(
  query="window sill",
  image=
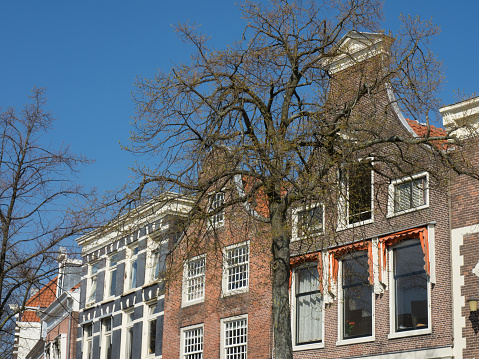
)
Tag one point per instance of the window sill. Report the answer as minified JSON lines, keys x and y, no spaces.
{"x":90,"y":305}
{"x":185,"y":304}
{"x":309,"y":236}
{"x":415,"y":209}
{"x":107,"y":300}
{"x":234,"y":292}
{"x":355,"y":341}
{"x":297,"y":348}
{"x":410,"y":333}
{"x":343,"y":226}
{"x":129,"y":291}
{"x":151,"y":283}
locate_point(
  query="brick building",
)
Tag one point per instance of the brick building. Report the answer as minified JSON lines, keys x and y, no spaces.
{"x":381,"y":269}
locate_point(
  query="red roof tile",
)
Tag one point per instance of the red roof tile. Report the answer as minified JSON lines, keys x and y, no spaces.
{"x":43,"y":298}
{"x":421,"y":130}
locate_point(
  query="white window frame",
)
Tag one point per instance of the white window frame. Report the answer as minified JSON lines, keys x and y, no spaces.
{"x":92,"y":277}
{"x":391,"y":194}
{"x":224,"y":321}
{"x":87,"y":342}
{"x":226,"y":267}
{"x":126,"y":325}
{"x":131,"y":259}
{"x":153,"y":261}
{"x":392,"y":299}
{"x":299,"y":347}
{"x":104,"y":335}
{"x":108,"y":275}
{"x":341,"y":339}
{"x":186,"y":281}
{"x":295,"y":220}
{"x":148,"y":317}
{"x":343,"y":201}
{"x":216,"y":220}
{"x":183,"y":331}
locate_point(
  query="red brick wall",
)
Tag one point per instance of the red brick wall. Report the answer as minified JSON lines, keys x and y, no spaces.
{"x":256,"y":302}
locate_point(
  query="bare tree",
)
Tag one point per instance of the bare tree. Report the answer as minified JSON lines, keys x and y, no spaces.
{"x":271,"y":110}
{"x":40,"y":205}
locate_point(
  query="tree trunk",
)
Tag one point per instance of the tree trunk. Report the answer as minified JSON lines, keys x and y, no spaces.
{"x":281,"y":271}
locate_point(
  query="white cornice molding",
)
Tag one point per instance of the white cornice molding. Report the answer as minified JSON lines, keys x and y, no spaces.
{"x":462,"y":114}
{"x":354,"y":48}
{"x":168,"y":203}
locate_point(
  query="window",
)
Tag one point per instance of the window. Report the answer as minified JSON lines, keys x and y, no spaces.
{"x":307,"y":313}
{"x":106,"y":345}
{"x":110,"y":288}
{"x":87,"y":341}
{"x":357,"y":182}
{"x":156,"y":264}
{"x":194,"y":282}
{"x":410,"y":287}
{"x":357,"y":297}
{"x":407,"y":194}
{"x":217,"y":200}
{"x":57,"y":352}
{"x":92,"y":282}
{"x":234,"y":339}
{"x":128,"y":318}
{"x":236,"y":268}
{"x":192,"y":342}
{"x":308,"y":221}
{"x":151,"y":337}
{"x":133,"y":267}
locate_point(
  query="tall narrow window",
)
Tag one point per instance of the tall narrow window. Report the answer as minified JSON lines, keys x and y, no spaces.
{"x":357,"y":295}
{"x":151,"y":346}
{"x":309,"y":305}
{"x":192,"y":341}
{"x":195,"y":279}
{"x":410,"y":286}
{"x":359,"y":193}
{"x":236,"y":273}
{"x":129,"y":318}
{"x":87,"y":341}
{"x":92,"y":282}
{"x":216,"y":201}
{"x":106,"y":345}
{"x":111,"y":282}
{"x":133,"y":267}
{"x":235,"y":338}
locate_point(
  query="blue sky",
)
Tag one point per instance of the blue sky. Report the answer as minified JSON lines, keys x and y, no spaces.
{"x":88,"y":53}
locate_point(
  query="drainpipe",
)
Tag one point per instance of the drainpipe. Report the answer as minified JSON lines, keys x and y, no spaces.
{"x":70,"y":309}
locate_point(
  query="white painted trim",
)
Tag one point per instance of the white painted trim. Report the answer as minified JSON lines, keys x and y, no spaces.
{"x":342,"y":341}
{"x":295,"y":220}
{"x":343,"y":204}
{"x":300,"y":347}
{"x":182,"y":337}
{"x":458,"y":300}
{"x":224,"y":280}
{"x":397,"y":110}
{"x":436,"y":353}
{"x":392,"y":309}
{"x":222,"y":333}
{"x":184,"y":300}
{"x":391,"y":192}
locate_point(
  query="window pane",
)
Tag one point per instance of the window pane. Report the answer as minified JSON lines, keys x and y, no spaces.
{"x":237,"y":261}
{"x":411,"y":287}
{"x":236,"y":335}
{"x":309,"y":306}
{"x":193,"y":346}
{"x":310,"y":221}
{"x":196,"y":279}
{"x":357,"y":297}
{"x":134,"y":266}
{"x":359,"y":193}
{"x":152,"y":337}
{"x":112,"y":290}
